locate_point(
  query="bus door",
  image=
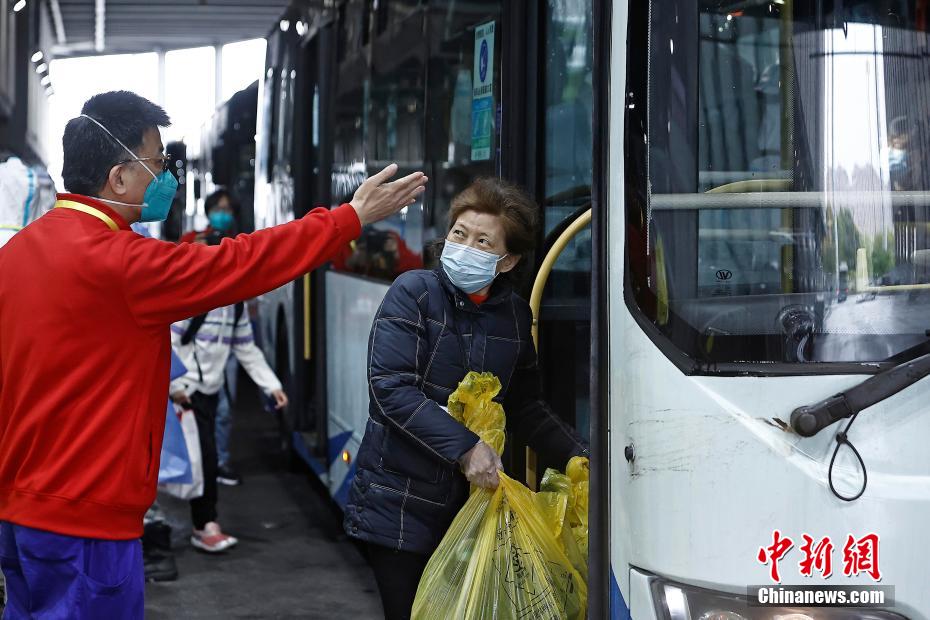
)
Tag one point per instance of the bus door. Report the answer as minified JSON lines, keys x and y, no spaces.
{"x":312,"y":164}
{"x":563,"y":179}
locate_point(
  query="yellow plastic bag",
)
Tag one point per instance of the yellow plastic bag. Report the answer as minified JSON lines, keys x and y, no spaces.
{"x":578,"y":471}
{"x":499,"y":561}
{"x":557,"y":500}
{"x":471,"y":405}
{"x":579,"y":518}
{"x":504,"y":556}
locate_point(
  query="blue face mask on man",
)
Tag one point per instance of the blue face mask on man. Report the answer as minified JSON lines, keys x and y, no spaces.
{"x":156,"y":202}
{"x":468,"y":268}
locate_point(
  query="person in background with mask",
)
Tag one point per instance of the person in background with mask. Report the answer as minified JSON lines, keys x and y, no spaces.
{"x":85,"y":310}
{"x":204,"y":344}
{"x":416,"y":461}
{"x":221,"y":212}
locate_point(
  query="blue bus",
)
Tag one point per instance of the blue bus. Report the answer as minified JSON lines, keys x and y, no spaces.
{"x":732,"y":155}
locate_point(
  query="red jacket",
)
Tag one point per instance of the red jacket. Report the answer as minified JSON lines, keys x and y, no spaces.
{"x":84,"y":353}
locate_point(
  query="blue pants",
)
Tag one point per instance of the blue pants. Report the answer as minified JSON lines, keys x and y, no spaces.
{"x":55,"y":576}
{"x":224,"y":412}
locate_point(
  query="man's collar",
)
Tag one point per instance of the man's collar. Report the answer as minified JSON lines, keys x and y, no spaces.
{"x":100,"y":206}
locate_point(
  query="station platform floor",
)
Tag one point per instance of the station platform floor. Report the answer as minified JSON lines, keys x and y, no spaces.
{"x":293,"y":559}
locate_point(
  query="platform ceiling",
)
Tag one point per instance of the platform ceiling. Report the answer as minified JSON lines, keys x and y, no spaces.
{"x":89,"y":27}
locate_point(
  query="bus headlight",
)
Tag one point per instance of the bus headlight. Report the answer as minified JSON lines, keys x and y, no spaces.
{"x":675,"y":601}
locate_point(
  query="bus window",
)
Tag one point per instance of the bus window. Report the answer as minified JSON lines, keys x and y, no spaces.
{"x":399,"y":10}
{"x":285,"y":115}
{"x":350,"y":121}
{"x":269,"y":110}
{"x":395,"y":108}
{"x":565,"y":314}
{"x":380,"y":112}
{"x":351,"y":23}
{"x":349,"y":135}
{"x":785,"y":167}
{"x":451,"y":165}
{"x":396,"y":134}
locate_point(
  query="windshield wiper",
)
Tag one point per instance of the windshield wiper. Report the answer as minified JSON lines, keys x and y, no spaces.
{"x":808,"y":420}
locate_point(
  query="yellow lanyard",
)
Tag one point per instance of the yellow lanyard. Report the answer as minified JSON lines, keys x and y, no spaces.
{"x":97,"y":213}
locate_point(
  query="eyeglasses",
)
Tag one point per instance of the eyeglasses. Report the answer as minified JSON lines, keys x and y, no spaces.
{"x":164,"y":159}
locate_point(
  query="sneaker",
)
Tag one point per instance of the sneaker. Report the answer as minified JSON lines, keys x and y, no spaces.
{"x":212,"y":539}
{"x":228,"y":476}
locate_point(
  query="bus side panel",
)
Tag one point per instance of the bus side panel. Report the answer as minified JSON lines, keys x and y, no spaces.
{"x":351,"y":304}
{"x":270,"y":307}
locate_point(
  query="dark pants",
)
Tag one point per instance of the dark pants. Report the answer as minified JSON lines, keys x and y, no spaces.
{"x":203,"y":508}
{"x":56,"y":576}
{"x":398,"y":575}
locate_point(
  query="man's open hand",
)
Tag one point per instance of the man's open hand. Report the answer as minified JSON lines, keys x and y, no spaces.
{"x":377,"y":198}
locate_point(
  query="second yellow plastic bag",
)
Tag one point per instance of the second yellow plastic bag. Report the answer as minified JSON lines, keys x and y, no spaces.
{"x":573,"y":486}
{"x":557,"y":501}
{"x":499,"y":560}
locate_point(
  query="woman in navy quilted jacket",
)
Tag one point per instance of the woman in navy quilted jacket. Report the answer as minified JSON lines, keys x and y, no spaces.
{"x":416,"y":461}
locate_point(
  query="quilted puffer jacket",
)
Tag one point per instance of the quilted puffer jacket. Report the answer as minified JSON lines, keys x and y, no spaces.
{"x":427,"y":334}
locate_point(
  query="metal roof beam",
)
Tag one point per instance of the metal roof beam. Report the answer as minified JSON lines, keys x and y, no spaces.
{"x":58,"y":22}
{"x":100,"y":21}
{"x":105,"y":27}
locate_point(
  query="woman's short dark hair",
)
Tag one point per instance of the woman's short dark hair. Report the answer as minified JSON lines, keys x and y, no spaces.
{"x":89,"y":153}
{"x":518,"y":212}
{"x":214,"y":199}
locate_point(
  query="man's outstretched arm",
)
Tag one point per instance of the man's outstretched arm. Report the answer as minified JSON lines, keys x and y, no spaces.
{"x":164,"y":282}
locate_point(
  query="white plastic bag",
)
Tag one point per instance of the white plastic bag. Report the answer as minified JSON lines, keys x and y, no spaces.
{"x":194,"y":489}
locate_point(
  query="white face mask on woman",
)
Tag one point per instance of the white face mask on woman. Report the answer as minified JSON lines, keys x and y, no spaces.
{"x":468,"y":268}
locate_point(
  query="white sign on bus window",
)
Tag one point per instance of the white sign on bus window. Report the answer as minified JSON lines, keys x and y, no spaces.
{"x":482,"y":99}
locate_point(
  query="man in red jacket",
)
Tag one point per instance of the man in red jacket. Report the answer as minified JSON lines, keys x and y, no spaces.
{"x":85,"y":310}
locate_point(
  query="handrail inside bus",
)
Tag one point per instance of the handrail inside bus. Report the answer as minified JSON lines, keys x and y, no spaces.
{"x":752,"y":185}
{"x":545,"y":269}
{"x":737,"y":197}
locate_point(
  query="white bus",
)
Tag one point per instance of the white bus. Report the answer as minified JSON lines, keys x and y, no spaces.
{"x":735,"y":154}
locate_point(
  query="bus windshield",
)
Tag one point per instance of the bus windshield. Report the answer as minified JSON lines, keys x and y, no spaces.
{"x":780,"y":209}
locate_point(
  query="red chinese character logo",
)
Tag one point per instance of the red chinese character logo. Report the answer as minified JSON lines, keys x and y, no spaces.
{"x":775,"y":552}
{"x":819,"y":556}
{"x":861,"y":556}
